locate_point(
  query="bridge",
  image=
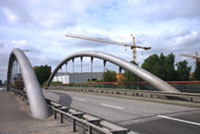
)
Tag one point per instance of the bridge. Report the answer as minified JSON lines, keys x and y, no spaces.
{"x":104,"y":110}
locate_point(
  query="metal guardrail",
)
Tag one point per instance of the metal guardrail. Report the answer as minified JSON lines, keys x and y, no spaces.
{"x":92,"y":122}
{"x":19,"y":92}
{"x":191,"y":97}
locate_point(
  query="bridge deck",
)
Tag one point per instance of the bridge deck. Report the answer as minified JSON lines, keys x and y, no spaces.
{"x":14,"y":119}
{"x":141,"y":116}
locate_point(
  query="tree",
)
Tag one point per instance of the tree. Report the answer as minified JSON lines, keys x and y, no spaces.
{"x":42,"y":73}
{"x":161,"y":66}
{"x":152,"y":64}
{"x":129,"y":76}
{"x":197,"y":71}
{"x":183,"y":71}
{"x":170,"y":73}
{"x":109,"y":76}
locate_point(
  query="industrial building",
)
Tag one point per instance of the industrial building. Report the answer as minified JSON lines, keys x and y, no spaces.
{"x":67,"y":78}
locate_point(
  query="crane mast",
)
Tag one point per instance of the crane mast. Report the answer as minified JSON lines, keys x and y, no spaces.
{"x":132,"y":46}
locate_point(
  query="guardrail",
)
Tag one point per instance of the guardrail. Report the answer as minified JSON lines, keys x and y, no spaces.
{"x":191,"y":97}
{"x":182,"y":86}
{"x":91,"y":122}
{"x":19,"y":92}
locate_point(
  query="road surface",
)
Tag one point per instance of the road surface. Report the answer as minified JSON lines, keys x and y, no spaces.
{"x":141,"y":116}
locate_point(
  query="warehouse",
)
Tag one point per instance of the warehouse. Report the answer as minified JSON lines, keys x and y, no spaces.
{"x":67,"y":78}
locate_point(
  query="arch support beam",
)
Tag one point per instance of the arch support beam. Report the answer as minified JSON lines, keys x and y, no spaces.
{"x":34,"y":93}
{"x":143,"y":74}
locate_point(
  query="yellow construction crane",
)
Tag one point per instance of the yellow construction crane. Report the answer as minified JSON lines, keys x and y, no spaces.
{"x":191,"y":56}
{"x":132,"y":46}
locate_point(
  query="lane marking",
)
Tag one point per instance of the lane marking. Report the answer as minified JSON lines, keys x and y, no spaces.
{"x":107,"y":105}
{"x":78,"y":99}
{"x":175,"y":119}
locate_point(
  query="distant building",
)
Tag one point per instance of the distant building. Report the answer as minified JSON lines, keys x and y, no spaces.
{"x":67,"y":78}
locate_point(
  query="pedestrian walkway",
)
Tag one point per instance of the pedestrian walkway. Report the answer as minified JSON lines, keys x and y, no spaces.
{"x":15,"y":119}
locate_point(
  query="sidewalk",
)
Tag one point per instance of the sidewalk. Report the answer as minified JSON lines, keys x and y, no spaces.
{"x":15,"y":119}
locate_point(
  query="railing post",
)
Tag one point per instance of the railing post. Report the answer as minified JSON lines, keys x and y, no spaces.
{"x":151,"y":95}
{"x":55,"y":114}
{"x":73,"y":70}
{"x":104,"y":69}
{"x":74,"y":125}
{"x":61,"y":118}
{"x":81,"y":69}
{"x":89,"y":129}
{"x":91,"y":68}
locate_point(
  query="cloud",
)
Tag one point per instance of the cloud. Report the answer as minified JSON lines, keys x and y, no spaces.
{"x":187,"y":42}
{"x":19,"y":42}
{"x":15,"y":12}
{"x":1,"y":44}
{"x":167,"y":26}
{"x":10,"y":15}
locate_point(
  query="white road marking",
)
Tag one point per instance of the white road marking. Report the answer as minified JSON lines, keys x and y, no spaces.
{"x":79,"y":99}
{"x":184,"y":121}
{"x":107,"y":105}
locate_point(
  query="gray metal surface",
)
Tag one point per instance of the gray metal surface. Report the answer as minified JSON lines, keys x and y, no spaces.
{"x":36,"y":99}
{"x":145,"y":75}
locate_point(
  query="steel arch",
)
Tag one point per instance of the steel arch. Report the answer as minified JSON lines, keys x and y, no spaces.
{"x":145,"y":75}
{"x":36,"y":99}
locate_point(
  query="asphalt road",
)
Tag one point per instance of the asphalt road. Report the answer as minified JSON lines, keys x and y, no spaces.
{"x":141,"y":116}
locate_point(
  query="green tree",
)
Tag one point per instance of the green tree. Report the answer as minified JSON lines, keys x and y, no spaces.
{"x":183,"y":71}
{"x":109,"y":76}
{"x":170,"y":73}
{"x":161,"y":66}
{"x":197,"y":71}
{"x":152,"y":64}
{"x":128,"y":76}
{"x":42,"y":73}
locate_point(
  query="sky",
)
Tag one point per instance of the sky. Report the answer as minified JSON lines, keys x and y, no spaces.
{"x":40,"y":26}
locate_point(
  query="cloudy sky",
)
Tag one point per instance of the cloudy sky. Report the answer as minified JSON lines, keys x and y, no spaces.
{"x":40,"y":25}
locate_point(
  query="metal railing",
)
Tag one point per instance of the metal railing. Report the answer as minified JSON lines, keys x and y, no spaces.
{"x":191,"y":97}
{"x":182,"y":86}
{"x":93,"y":124}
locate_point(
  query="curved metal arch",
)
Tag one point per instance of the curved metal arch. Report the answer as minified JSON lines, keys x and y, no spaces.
{"x":34,"y":93}
{"x":145,"y":75}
